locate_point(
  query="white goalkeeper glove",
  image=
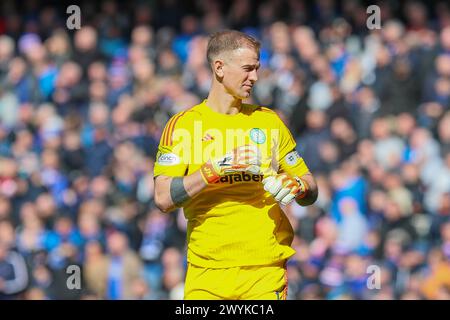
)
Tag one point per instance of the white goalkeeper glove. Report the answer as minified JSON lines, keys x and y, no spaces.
{"x":285,"y":188}
{"x":242,"y":159}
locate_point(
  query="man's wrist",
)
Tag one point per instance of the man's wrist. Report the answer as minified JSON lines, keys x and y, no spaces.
{"x":309,"y":196}
{"x":304,"y":188}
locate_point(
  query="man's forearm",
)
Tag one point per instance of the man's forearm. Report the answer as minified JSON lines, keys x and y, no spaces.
{"x":175,"y":192}
{"x":311,"y":194}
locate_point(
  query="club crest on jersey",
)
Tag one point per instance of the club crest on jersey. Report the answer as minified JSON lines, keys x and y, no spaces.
{"x":257,"y":136}
{"x":168,"y":159}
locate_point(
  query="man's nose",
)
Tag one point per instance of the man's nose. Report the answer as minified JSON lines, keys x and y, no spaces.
{"x":253,"y":76}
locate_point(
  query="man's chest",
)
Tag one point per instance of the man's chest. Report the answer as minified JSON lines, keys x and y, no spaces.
{"x":213,"y":138}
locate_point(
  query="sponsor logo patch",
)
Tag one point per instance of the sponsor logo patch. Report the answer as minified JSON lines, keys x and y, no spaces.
{"x":168,"y":159}
{"x":292,"y":158}
{"x":240,"y":177}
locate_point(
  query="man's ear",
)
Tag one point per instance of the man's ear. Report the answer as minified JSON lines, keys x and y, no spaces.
{"x":218,"y":68}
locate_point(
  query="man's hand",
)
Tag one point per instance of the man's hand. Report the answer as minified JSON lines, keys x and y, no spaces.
{"x":285,"y":188}
{"x":245,"y":158}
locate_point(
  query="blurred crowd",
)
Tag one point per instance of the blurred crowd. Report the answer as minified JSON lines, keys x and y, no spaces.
{"x":82,"y":111}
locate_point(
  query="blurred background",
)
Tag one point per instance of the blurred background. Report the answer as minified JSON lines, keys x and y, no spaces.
{"x":81,"y":114}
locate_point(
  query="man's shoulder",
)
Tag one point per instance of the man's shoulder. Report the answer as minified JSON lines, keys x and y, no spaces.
{"x":182,"y":120}
{"x":197,"y":110}
{"x":252,"y":109}
{"x":186,"y":116}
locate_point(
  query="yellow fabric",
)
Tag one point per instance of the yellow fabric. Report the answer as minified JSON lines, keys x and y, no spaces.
{"x":438,"y":279}
{"x":234,"y":222}
{"x":237,"y":283}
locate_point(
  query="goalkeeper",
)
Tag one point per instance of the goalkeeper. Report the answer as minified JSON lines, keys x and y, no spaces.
{"x":232,"y":167}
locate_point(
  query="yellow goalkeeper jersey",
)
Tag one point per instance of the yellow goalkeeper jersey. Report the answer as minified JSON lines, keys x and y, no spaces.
{"x":233,"y":222}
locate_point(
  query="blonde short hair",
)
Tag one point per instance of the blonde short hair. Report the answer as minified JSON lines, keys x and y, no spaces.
{"x":229,"y":40}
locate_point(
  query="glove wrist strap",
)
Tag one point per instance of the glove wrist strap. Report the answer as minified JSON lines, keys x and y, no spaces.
{"x":208,"y":173}
{"x":305,"y":188}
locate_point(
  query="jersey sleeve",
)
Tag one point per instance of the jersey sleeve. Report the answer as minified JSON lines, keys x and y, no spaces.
{"x":293,"y":164}
{"x":172,"y":157}
{"x":289,"y":160}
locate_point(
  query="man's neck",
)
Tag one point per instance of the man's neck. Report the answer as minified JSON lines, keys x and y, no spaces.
{"x":223,"y":102}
